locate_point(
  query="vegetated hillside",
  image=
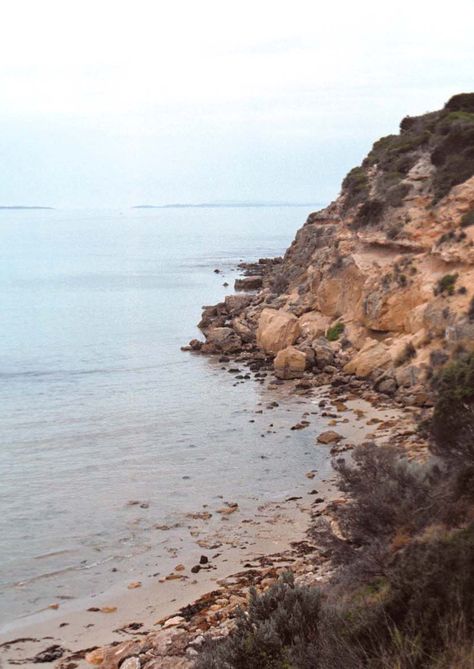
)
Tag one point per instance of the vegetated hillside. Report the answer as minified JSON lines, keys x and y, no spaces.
{"x":385,"y":273}
{"x":379,"y":285}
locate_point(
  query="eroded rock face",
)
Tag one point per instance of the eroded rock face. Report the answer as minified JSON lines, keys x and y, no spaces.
{"x":289,"y":363}
{"x":249,"y":283}
{"x":369,"y":271}
{"x":276,"y":330}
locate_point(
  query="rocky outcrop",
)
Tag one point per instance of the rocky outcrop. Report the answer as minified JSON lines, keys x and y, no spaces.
{"x":381,"y":281}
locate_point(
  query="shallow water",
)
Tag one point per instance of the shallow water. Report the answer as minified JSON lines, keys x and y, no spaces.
{"x":99,"y":405}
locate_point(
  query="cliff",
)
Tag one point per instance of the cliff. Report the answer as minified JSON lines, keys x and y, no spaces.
{"x":379,"y":284}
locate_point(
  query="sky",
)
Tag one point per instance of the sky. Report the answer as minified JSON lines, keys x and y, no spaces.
{"x":112,"y":104}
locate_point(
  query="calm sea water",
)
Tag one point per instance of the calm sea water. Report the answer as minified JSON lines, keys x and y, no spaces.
{"x":99,"y":405}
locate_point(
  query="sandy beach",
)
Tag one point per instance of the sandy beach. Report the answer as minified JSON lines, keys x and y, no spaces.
{"x":227,"y":541}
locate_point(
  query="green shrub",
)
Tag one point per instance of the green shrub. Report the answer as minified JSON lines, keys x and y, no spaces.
{"x":467,"y":219}
{"x":356,"y":183}
{"x":461,"y":102}
{"x":386,"y":492}
{"x":278,"y":627}
{"x":408,"y":352}
{"x":335,"y":331}
{"x":370,"y":213}
{"x":413,"y":609}
{"x":394,"y":230}
{"x":453,"y":417}
{"x":470,"y":311}
{"x":453,"y":157}
{"x":446,"y":284}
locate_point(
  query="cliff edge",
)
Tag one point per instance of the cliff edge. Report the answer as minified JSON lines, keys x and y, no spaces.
{"x":379,"y":284}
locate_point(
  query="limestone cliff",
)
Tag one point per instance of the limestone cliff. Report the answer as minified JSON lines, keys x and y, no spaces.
{"x":379,"y":284}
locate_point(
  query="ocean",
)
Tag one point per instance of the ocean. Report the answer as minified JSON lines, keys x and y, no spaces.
{"x":101,"y":408}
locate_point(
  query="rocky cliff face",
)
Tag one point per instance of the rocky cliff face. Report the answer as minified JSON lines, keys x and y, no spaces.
{"x":380,"y":284}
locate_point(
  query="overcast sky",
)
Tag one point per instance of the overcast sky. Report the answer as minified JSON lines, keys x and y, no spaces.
{"x":115,"y":103}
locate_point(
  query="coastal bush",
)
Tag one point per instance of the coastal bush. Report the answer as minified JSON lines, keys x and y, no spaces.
{"x":411,"y":609}
{"x":446,"y":284}
{"x":370,"y":213}
{"x":335,"y":331}
{"x":356,"y":183}
{"x":470,"y":311}
{"x":408,"y":352}
{"x":386,"y":493}
{"x":279,"y":627}
{"x":453,"y":416}
{"x":467,"y":219}
{"x":453,"y":157}
{"x":427,"y":596}
{"x":419,"y":615}
{"x":394,"y":230}
{"x":461,"y":102}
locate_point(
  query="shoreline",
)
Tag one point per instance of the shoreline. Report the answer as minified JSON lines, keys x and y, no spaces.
{"x":243,"y":546}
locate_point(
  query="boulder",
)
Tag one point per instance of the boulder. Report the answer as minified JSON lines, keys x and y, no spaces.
{"x":323,"y":352}
{"x":329,"y":437}
{"x":313,"y":324}
{"x":391,"y":312}
{"x":289,"y":363}
{"x":224,"y":339}
{"x":373,"y":356}
{"x":276,"y":330}
{"x":386,"y":385}
{"x":408,"y":376}
{"x":244,"y":331}
{"x":249,"y":283}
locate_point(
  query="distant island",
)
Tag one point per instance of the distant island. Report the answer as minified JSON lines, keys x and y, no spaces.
{"x":23,"y":207}
{"x":213,"y":205}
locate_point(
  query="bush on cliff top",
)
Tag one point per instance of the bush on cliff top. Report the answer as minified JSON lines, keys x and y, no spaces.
{"x":370,"y":213}
{"x":461,"y":102}
{"x":446,"y":135}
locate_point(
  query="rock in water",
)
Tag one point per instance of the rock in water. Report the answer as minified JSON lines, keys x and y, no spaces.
{"x":224,"y":340}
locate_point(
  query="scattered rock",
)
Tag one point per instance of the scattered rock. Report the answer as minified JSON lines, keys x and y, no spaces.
{"x":329,"y":437}
{"x":174,"y":622}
